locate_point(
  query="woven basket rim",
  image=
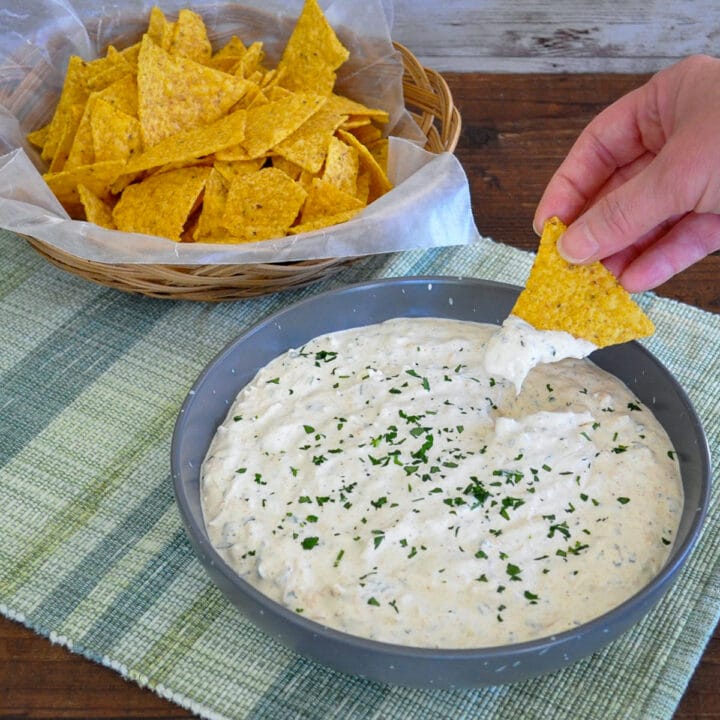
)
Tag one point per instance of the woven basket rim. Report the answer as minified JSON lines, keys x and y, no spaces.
{"x":427,"y":98}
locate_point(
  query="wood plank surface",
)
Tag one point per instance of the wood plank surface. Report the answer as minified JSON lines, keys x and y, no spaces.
{"x":559,"y":36}
{"x":516,"y":131}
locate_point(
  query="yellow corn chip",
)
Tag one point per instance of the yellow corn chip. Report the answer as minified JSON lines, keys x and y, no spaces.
{"x":270,"y":124}
{"x":226,"y":57}
{"x":289,"y":168}
{"x":235,"y":153}
{"x":379,"y":150}
{"x":67,"y":137}
{"x":272,"y":78}
{"x":194,"y":143}
{"x":326,"y":199}
{"x":341,"y":166}
{"x":584,"y":300}
{"x":308,"y":145}
{"x":379,"y":182}
{"x":367,"y":134}
{"x":161,"y":204}
{"x":39,"y":136}
{"x":160,"y":30}
{"x":131,"y":55}
{"x":74,"y":92}
{"x":122,"y":95}
{"x":250,"y":62}
{"x":189,"y":38}
{"x":107,"y":70}
{"x":345,"y":106}
{"x":230,"y":170}
{"x":96,"y":210}
{"x":262,"y":204}
{"x":353,"y":123}
{"x":255,"y":96}
{"x":362,"y":191}
{"x":324,"y":221}
{"x":97,"y":178}
{"x":82,"y":151}
{"x":213,"y":208}
{"x":176,"y":94}
{"x":115,"y":134}
{"x":313,"y":53}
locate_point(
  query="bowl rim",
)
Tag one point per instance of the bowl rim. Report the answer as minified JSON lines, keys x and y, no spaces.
{"x":647,"y":596}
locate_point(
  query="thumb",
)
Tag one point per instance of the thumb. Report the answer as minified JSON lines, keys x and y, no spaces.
{"x":622,"y":216}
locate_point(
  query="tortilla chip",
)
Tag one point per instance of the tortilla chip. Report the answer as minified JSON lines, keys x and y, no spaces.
{"x":226,"y":58}
{"x":82,"y":151}
{"x":367,"y":134}
{"x":67,"y":138}
{"x":96,"y":210}
{"x":213,"y":208}
{"x":97,"y":178}
{"x":270,"y":124}
{"x":250,"y":62}
{"x":262,"y":204}
{"x":107,"y":70}
{"x":176,"y":94}
{"x":345,"y":106}
{"x":161,"y":204}
{"x":160,"y":30}
{"x":74,"y":92}
{"x":190,"y":38}
{"x":292,"y":170}
{"x":326,"y":199}
{"x":122,"y":95}
{"x":379,"y":182}
{"x":379,"y":150}
{"x":39,"y":136}
{"x":584,"y":300}
{"x":230,"y":170}
{"x":131,"y":54}
{"x":313,"y":53}
{"x":115,"y":134}
{"x":324,"y":221}
{"x":308,"y":145}
{"x":354,"y":123}
{"x":236,"y":153}
{"x":194,"y":143}
{"x":341,"y":166}
{"x":362,"y":191}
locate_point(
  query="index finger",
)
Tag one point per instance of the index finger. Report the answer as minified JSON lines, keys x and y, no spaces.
{"x":623,"y":132}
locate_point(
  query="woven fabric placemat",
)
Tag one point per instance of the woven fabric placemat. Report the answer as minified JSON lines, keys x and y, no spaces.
{"x":93,"y":554}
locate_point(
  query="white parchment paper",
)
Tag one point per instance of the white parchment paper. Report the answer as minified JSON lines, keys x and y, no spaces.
{"x":428,"y":206}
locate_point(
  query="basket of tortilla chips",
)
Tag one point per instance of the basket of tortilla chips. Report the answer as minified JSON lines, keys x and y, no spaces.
{"x":199,"y":164}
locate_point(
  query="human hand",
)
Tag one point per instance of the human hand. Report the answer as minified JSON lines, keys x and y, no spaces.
{"x":640,"y":188}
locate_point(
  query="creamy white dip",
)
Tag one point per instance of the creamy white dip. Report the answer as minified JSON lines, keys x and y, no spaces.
{"x":517,"y":347}
{"x":382,"y":482}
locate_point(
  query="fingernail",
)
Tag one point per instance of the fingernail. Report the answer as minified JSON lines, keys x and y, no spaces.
{"x":577,"y":244}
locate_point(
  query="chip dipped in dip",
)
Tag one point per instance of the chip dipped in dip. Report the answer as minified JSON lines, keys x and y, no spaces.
{"x":380,"y":481}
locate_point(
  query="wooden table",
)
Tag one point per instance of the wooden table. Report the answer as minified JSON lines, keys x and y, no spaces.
{"x":516,"y":130}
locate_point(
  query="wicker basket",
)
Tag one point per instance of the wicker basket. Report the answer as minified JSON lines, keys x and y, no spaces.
{"x":428,"y":99}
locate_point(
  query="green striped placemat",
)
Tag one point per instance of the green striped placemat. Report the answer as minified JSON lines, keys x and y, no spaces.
{"x":93,"y":554}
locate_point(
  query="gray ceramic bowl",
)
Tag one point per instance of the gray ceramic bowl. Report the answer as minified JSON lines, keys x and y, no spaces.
{"x":467,"y":299}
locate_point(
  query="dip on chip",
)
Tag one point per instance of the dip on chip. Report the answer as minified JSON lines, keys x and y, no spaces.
{"x":169,"y":137}
{"x":586,"y":301}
